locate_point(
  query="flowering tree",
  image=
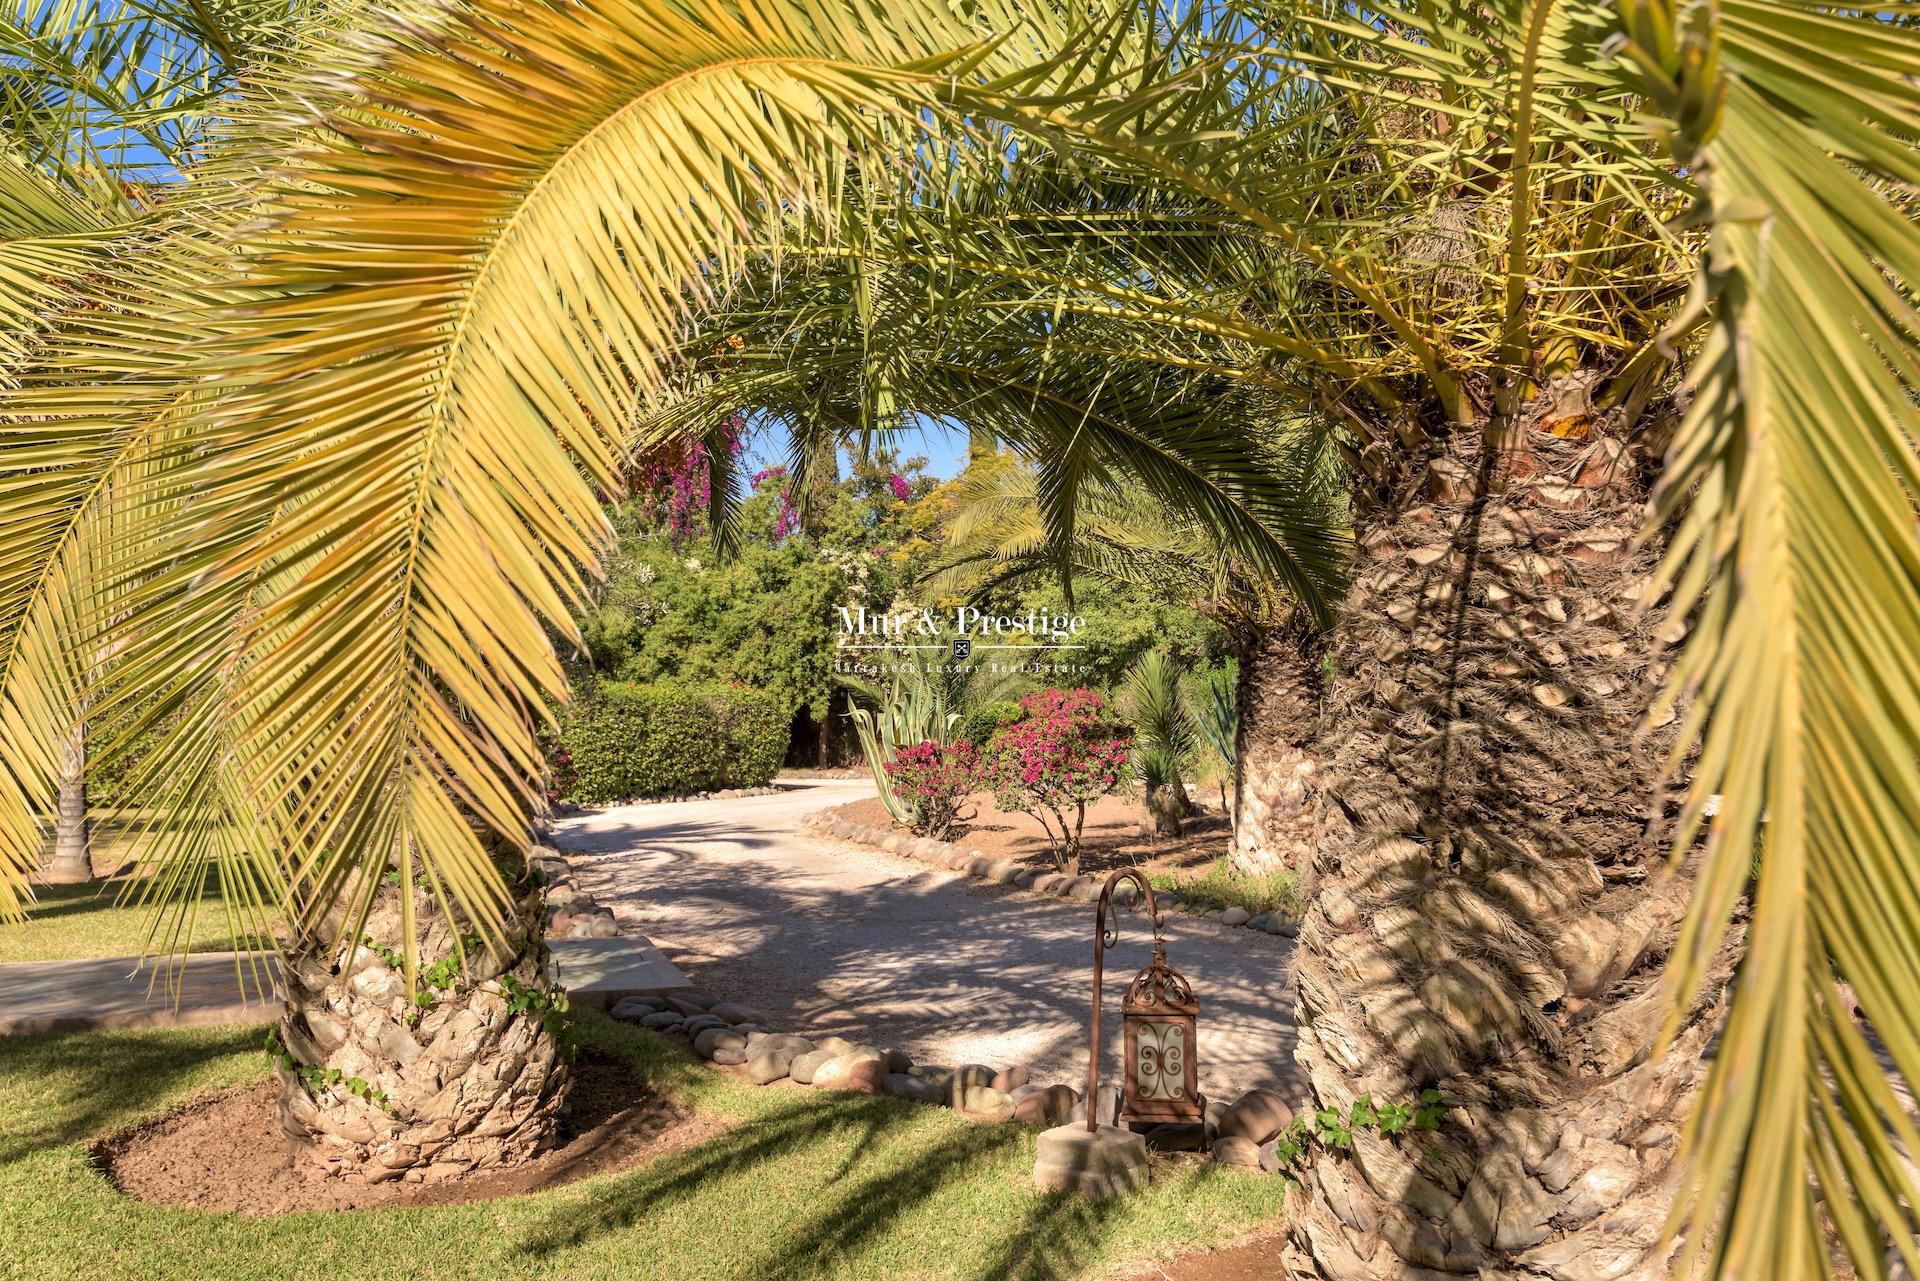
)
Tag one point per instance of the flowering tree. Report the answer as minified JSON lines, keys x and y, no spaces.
{"x":935,"y":781}
{"x":787,"y":519}
{"x":1064,"y":751}
{"x":677,"y":491}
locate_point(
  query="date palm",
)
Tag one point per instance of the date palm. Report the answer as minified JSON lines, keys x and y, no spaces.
{"x":329,"y":510}
{"x":1546,"y":263}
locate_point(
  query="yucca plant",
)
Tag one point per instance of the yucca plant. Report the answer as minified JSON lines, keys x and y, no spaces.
{"x":1165,"y":739}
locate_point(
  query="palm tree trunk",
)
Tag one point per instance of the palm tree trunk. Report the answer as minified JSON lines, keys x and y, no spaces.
{"x":1278,"y":700}
{"x":72,"y":858}
{"x":470,"y":1077}
{"x":1488,"y":918}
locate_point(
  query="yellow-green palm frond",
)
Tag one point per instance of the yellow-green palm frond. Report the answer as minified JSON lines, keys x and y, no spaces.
{"x":1122,"y":533}
{"x":1798,"y":562}
{"x":463,"y":306}
{"x":51,"y":237}
{"x":91,"y":430}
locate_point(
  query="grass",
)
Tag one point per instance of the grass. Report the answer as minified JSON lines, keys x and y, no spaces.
{"x":805,"y":1185}
{"x":69,"y":922}
{"x":1221,"y":887}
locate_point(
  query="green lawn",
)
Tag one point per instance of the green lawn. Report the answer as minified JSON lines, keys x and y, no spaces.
{"x":73,"y":921}
{"x":1219,"y":886}
{"x":806,"y":1185}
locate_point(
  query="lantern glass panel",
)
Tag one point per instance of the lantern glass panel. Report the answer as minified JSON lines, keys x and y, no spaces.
{"x":1160,"y":1060}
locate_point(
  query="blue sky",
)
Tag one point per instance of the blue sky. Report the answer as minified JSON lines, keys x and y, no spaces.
{"x":944,"y":447}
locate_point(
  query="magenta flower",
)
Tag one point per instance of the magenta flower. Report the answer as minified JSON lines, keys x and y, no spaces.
{"x":1063,"y":753}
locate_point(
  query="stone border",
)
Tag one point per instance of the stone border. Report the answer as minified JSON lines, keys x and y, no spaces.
{"x":1239,"y":1134}
{"x":572,"y":913}
{"x":977,"y":864}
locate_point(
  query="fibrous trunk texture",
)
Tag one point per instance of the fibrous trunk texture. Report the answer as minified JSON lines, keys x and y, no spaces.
{"x":72,"y":857}
{"x":1167,"y":806}
{"x":1488,"y":915}
{"x":1278,"y":701}
{"x":467,"y":1078}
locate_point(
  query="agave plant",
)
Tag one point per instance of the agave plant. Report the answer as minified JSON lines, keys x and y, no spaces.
{"x":1219,"y":725}
{"x":910,"y":712}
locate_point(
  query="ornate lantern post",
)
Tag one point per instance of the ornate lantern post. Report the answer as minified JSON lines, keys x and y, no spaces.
{"x":1160,"y":1070}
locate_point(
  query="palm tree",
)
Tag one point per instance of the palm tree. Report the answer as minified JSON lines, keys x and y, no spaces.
{"x":342,"y":503}
{"x":836,"y":348}
{"x":1547,"y":264}
{"x":1166,"y":739}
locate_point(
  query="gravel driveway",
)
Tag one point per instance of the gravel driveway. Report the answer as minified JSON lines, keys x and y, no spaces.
{"x":831,"y":937}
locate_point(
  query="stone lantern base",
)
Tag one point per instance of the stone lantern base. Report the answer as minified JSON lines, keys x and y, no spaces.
{"x":1100,"y":1163}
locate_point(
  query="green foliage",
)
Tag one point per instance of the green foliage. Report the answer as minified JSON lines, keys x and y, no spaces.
{"x":1125,"y":622}
{"x":754,"y":725}
{"x":915,"y":711}
{"x":550,"y":1006}
{"x":1333,"y":1129}
{"x":920,"y":1192}
{"x":764,"y":619}
{"x":1221,"y":886}
{"x":1166,"y":738}
{"x":982,"y":722}
{"x":1217,"y":718}
{"x":764,"y":615}
{"x":661,"y":740}
{"x":317,"y":1080}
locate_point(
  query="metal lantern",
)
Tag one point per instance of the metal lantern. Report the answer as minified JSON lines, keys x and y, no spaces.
{"x":1160,"y":1070}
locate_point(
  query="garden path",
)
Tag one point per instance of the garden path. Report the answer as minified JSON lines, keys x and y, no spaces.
{"x":834,"y":938}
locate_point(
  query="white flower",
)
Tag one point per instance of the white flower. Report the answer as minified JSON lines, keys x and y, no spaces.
{"x":693,"y":562}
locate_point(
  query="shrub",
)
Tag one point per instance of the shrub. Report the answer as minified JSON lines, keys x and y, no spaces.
{"x":754,"y":727}
{"x":986,"y":720}
{"x":935,"y":781}
{"x":1064,"y":751}
{"x":664,"y":740}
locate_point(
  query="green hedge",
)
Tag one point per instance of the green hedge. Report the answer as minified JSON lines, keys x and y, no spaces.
{"x":662,"y":740}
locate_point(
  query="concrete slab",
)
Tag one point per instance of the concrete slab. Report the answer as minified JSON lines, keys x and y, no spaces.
{"x":38,"y":997}
{"x":599,"y":972}
{"x":1097,"y":1163}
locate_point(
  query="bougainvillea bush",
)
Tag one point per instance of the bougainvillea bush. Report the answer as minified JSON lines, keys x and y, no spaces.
{"x":935,"y":781}
{"x":1063,"y":752}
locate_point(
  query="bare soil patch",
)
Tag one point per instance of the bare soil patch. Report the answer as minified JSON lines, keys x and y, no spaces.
{"x":228,"y":1152}
{"x":1251,"y":1258}
{"x":1115,"y":835}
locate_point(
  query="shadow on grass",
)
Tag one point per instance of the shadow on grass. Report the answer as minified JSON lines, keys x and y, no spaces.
{"x":848,"y":1208}
{"x":57,"y":902}
{"x":93,"y":1080}
{"x":1046,"y":1245}
{"x":856,"y":1187}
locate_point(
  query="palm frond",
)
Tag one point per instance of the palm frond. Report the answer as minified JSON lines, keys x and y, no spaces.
{"x":1798,"y":564}
{"x":535,"y":208}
